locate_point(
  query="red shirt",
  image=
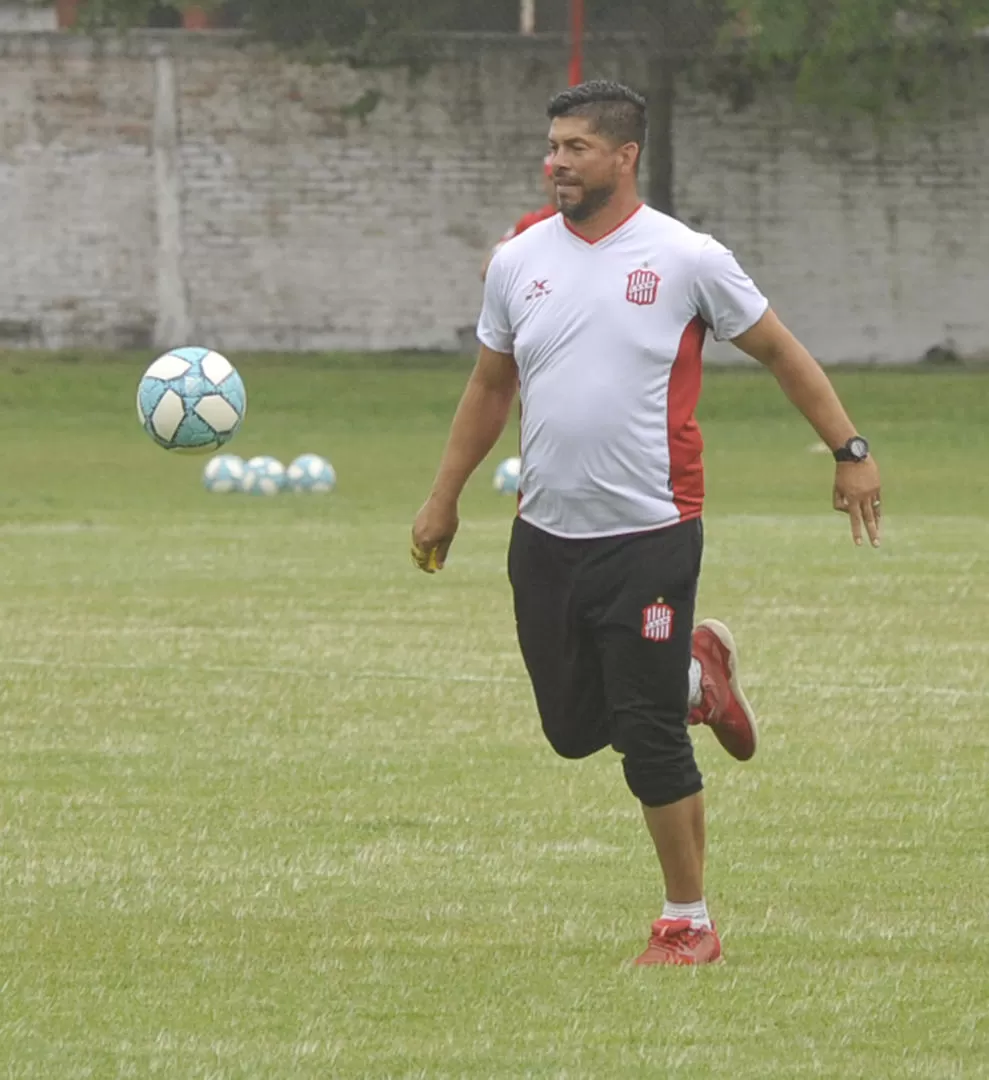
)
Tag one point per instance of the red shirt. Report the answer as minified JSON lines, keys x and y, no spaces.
{"x":525,"y":222}
{"x":533,"y":218}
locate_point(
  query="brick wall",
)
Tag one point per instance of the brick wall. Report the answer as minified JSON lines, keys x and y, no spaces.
{"x":163,"y":187}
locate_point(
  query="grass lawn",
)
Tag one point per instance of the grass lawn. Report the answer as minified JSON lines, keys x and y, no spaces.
{"x":273,"y":804}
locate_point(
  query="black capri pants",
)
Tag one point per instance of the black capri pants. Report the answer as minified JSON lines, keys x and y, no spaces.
{"x":605,"y":627}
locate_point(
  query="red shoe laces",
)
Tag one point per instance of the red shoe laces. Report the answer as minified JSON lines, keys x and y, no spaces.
{"x":681,"y":943}
{"x":709,"y":700}
{"x":671,"y":930}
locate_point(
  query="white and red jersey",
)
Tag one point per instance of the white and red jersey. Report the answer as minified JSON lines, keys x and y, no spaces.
{"x":608,"y":337}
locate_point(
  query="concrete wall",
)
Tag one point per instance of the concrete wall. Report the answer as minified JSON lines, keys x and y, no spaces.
{"x":168,"y":188}
{"x":17,"y":17}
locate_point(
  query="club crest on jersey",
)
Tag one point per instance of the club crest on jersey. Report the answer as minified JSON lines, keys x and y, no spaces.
{"x":642,"y":288}
{"x":657,"y":622}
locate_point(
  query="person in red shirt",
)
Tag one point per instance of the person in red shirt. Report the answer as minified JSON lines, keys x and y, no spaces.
{"x":530,"y":219}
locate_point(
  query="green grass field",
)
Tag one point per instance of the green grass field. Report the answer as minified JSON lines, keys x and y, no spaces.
{"x":276,"y":805}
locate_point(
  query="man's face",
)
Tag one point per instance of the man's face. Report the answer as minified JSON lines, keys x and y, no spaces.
{"x":587,"y":167}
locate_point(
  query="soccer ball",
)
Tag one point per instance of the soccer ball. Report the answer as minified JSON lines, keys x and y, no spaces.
{"x":310,"y":472}
{"x":223,"y":474}
{"x":263,"y":475}
{"x":191,"y":400}
{"x":506,"y":477}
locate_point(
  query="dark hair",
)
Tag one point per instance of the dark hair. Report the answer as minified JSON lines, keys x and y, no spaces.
{"x":613,"y":109}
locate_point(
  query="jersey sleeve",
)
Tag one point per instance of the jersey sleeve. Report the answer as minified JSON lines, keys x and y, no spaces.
{"x":494,"y":327}
{"x":726,"y":297}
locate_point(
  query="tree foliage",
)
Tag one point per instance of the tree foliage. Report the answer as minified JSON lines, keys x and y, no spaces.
{"x":783,"y":27}
{"x":870,"y":56}
{"x":335,"y":23}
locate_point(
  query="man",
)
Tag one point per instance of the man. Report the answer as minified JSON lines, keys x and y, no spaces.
{"x":530,"y":219}
{"x":601,"y":313}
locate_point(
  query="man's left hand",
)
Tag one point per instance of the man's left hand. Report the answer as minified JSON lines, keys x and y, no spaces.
{"x":856,"y":493}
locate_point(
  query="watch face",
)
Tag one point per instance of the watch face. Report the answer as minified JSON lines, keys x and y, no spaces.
{"x":859,"y":448}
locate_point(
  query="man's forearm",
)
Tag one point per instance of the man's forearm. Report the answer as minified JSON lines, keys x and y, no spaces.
{"x":808,"y":387}
{"x":477,"y":425}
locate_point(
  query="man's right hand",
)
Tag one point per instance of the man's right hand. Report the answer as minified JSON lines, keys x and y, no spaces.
{"x":435,"y":527}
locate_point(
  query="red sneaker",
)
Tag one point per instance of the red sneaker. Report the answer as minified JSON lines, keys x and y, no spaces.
{"x":723,"y":706}
{"x":674,"y":941}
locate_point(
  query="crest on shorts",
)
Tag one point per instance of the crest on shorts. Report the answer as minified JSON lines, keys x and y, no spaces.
{"x":657,"y":622}
{"x":642,"y":287}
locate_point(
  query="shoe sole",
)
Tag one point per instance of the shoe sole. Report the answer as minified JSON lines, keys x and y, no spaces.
{"x":725,"y":636}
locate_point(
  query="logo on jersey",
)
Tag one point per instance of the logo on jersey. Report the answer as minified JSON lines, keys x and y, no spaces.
{"x":657,"y":622}
{"x":537,"y":289}
{"x":642,"y":288}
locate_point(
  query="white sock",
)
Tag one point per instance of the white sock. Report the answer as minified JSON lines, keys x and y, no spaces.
{"x":695,"y":912}
{"x":694,"y":698}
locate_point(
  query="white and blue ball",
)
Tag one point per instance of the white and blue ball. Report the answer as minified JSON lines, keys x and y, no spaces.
{"x":311,"y":473}
{"x":263,"y":475}
{"x":506,"y":477}
{"x":223,"y":474}
{"x":191,"y":400}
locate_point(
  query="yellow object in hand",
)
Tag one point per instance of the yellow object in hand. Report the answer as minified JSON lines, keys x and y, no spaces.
{"x":423,"y":560}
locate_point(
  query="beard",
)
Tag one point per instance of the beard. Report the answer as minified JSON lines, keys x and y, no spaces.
{"x":590,"y":201}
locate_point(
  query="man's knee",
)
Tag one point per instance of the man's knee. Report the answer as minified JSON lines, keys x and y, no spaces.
{"x":575,"y":740}
{"x":659,"y":763}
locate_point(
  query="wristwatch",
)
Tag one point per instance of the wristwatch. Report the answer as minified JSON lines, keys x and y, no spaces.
{"x":856,"y":449}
